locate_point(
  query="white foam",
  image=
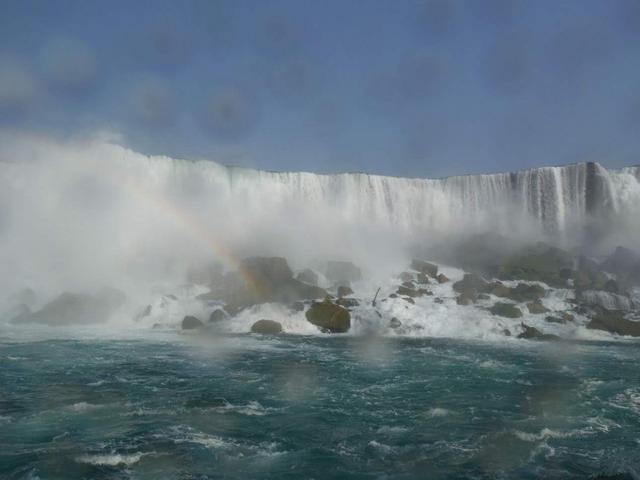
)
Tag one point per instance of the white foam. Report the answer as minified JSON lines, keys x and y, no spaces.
{"x":110,"y":460}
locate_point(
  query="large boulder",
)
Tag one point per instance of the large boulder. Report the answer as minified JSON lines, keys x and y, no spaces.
{"x":329,"y":317}
{"x":625,"y":263}
{"x":217,"y":316}
{"x":191,"y":323}
{"x":472,"y":284}
{"x":267,"y":327}
{"x":76,"y":309}
{"x":262,"y":280}
{"x":343,"y":291}
{"x":522,"y":292}
{"x":506,"y":310}
{"x":308,"y":276}
{"x":606,"y":300}
{"x":424,"y":267}
{"x":532,"y":333}
{"x":342,"y":273}
{"x":541,"y":262}
{"x":537,"y":308}
{"x":614,"y":322}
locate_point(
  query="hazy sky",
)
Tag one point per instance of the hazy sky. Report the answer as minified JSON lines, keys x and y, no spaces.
{"x":409,"y":88}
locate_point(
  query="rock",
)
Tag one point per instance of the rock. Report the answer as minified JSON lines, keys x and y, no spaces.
{"x":506,"y":310}
{"x":442,"y":278}
{"x":407,"y":277}
{"x":537,"y":308}
{"x":520,"y":293}
{"x":393,"y":295}
{"x":217,"y":316}
{"x":606,"y":300}
{"x":347,"y":302}
{"x":465,"y":299}
{"x":329,"y":317}
{"x":614,"y":322}
{"x":264,"y":279}
{"x":409,"y":300}
{"x":611,"y":286}
{"x":625,"y":263}
{"x":472,"y":283}
{"x":409,"y":285}
{"x":409,"y":292}
{"x":297,"y":306}
{"x":424,"y":291}
{"x":538,"y":263}
{"x":422,"y":279}
{"x":532,"y":333}
{"x":191,"y":323}
{"x":564,"y":318}
{"x":424,"y":267}
{"x":267,"y":270}
{"x":339,"y":272}
{"x":438,"y":300}
{"x":76,"y":309}
{"x":266,"y":327}
{"x":344,"y":291}
{"x":483,"y":296}
{"x":506,"y":332}
{"x":395,"y":323}
{"x":308,"y":276}
{"x":143,"y":313}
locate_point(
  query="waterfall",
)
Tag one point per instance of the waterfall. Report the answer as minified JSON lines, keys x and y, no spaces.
{"x":66,"y":208}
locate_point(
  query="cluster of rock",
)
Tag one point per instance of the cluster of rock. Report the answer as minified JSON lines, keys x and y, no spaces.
{"x":600,"y":290}
{"x":270,"y":279}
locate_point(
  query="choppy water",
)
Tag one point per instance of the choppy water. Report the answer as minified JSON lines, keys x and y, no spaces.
{"x":316,"y":407}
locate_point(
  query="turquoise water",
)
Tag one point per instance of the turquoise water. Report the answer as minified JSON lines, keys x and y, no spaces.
{"x":316,"y":407}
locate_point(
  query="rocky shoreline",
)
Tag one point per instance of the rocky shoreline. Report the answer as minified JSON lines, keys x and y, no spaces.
{"x":515,"y":288}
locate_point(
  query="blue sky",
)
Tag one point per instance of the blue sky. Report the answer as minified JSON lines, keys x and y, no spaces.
{"x":408,"y":88}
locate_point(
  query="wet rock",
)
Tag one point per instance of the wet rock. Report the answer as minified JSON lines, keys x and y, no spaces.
{"x":472,"y":284}
{"x":483,"y":296}
{"x":76,"y":309}
{"x":409,"y":292}
{"x":266,"y":327}
{"x":264,"y":279}
{"x":409,"y":300}
{"x":562,"y":319}
{"x":395,"y":323}
{"x":606,"y":300}
{"x":520,"y":293}
{"x":393,"y":295}
{"x":347,"y":302}
{"x":422,"y":279}
{"x":407,"y":277}
{"x":329,"y":317}
{"x":344,"y":291}
{"x":506,"y":310}
{"x":339,"y":272}
{"x":438,"y":300}
{"x":442,"y":278}
{"x":191,"y":323}
{"x":425,"y":267}
{"x":409,"y":285}
{"x":537,"y":308}
{"x":612,"y":286}
{"x":217,"y":316}
{"x":625,"y":263}
{"x":308,"y":276}
{"x":531,"y":333}
{"x":614,"y":322}
{"x":466,"y":298}
{"x":297,"y":306}
{"x":424,"y":291}
{"x":143,"y":313}
{"x":537,"y":263}
{"x":506,"y":332}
